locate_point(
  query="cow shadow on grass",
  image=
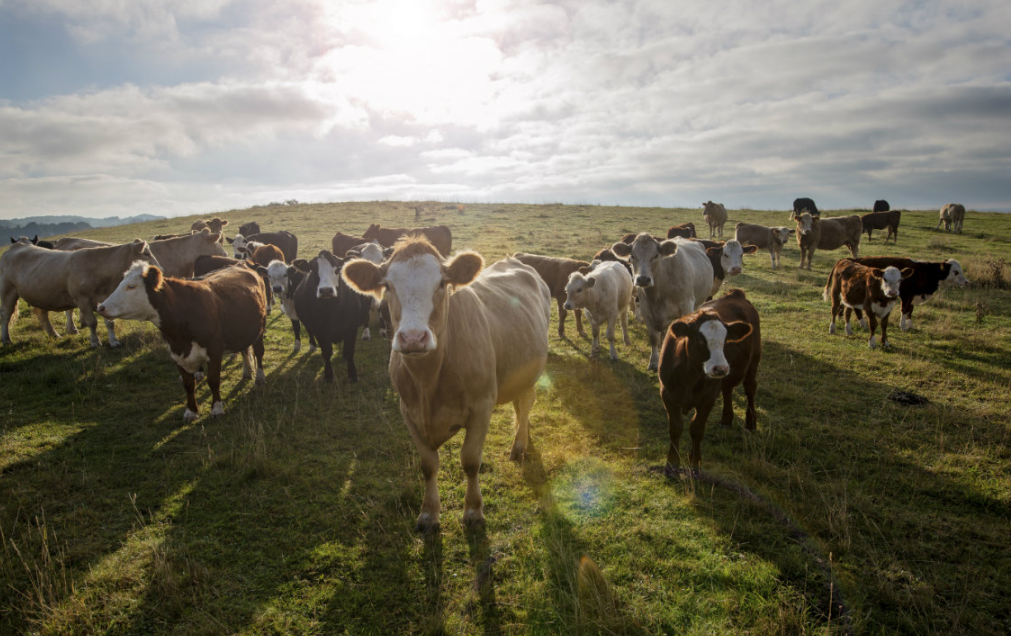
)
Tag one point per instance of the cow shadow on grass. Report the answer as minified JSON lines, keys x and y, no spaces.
{"x":833,"y":470}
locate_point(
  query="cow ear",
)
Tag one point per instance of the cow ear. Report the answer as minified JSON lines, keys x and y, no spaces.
{"x":793,"y":230}
{"x":140,"y":245}
{"x":463,"y":269}
{"x":680,"y":329}
{"x":12,"y":240}
{"x":907,"y":272}
{"x":751,"y":249}
{"x":621,"y":249}
{"x":877,"y":272}
{"x":737,"y":331}
{"x":714,"y":251}
{"x":668,"y":247}
{"x":364,"y":276}
{"x":223,"y":222}
{"x":301,"y":265}
{"x":586,"y":269}
{"x":229,"y":239}
{"x":153,"y":278}
{"x":590,"y":283}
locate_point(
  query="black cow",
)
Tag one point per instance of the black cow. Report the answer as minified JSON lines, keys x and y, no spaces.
{"x":881,"y":206}
{"x":330,"y":310}
{"x":881,"y":221}
{"x":799,"y":205}
{"x":283,"y":281}
{"x":248,"y":229}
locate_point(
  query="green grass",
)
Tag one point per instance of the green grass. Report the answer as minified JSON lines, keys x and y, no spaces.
{"x":294,"y":512}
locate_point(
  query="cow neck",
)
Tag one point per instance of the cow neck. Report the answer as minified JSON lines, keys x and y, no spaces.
{"x":163,"y":300}
{"x":691,"y":376}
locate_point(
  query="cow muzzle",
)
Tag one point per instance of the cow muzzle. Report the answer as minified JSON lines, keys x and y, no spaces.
{"x":413,"y":341}
{"x":277,"y":289}
{"x":326,"y":292}
{"x":644,"y":281}
{"x":718,"y":371}
{"x":734,"y":271}
{"x":568,"y":306}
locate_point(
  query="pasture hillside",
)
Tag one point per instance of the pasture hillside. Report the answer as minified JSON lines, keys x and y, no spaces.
{"x":846,"y":512}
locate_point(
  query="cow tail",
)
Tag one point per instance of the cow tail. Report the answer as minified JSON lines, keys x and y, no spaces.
{"x":827,"y":292}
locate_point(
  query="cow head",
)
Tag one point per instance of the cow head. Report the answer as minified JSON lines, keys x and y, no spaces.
{"x":131,"y":300}
{"x":643,"y":254}
{"x":239,"y":245}
{"x":806,"y":223}
{"x":890,"y":278}
{"x":732,"y":256}
{"x":956,"y":275}
{"x":327,"y":269}
{"x":577,"y":287}
{"x":780,"y":235}
{"x":417,"y":283}
{"x":278,"y":278}
{"x":705,"y":337}
{"x":372,"y":232}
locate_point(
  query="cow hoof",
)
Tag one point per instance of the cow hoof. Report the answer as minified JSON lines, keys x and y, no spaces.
{"x":198,"y":376}
{"x":312,"y":348}
{"x":261,"y":377}
{"x":246,"y":377}
{"x":296,"y":347}
{"x":189,"y":416}
{"x":473,"y":520}
{"x":217,"y":409}
{"x":518,"y":454}
{"x":727,"y":424}
{"x":426,"y":524}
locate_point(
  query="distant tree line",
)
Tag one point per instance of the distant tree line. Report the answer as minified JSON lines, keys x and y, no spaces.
{"x":44,"y":230}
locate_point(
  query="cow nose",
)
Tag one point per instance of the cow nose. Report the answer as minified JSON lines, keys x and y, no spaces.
{"x":413,"y":340}
{"x":326,"y":292}
{"x":734,"y":271}
{"x":101,"y":310}
{"x":892,"y":293}
{"x":719,"y":371}
{"x":567,"y":306}
{"x":644,"y":281}
{"x":277,"y":289}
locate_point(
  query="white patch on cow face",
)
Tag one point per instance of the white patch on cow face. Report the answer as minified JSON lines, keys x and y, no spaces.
{"x":804,"y":223}
{"x":329,"y":278}
{"x":733,"y":258}
{"x":130,"y":301}
{"x":416,"y":282}
{"x":645,"y":254}
{"x":715,"y":334}
{"x":575,"y":290}
{"x":890,"y":280}
{"x":277,"y":276}
{"x":239,"y":246}
{"x":781,"y":234}
{"x":373,"y":252}
{"x":193,"y":360}
{"x":956,"y":276}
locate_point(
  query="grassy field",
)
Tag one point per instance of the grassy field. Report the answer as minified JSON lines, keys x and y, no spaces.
{"x":293,"y":513}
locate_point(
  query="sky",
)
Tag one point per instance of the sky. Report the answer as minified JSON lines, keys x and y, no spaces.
{"x":172,"y":107}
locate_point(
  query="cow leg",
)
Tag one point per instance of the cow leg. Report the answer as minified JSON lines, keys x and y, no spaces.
{"x":675,"y":427}
{"x":561,"y":317}
{"x":326,"y":350}
{"x":697,"y":429}
{"x":366,"y":334}
{"x":750,"y":390}
{"x":312,"y":342}
{"x":860,"y":318}
{"x":470,"y":458}
{"x":348,"y":351}
{"x":296,"y":329}
{"x":110,"y":327}
{"x":727,"y":419}
{"x":190,"y":384}
{"x":849,"y":329}
{"x":247,"y":364}
{"x":873,"y":320}
{"x":88,"y":317}
{"x":835,"y":312}
{"x":71,"y":327}
{"x":214,"y":382}
{"x":258,"y":351}
{"x":884,"y":329}
{"x":854,"y":249}
{"x":521,"y":440}
{"x":8,"y":309}
{"x":595,"y":329}
{"x":42,"y":317}
{"x":578,"y":313}
{"x":428,"y":519}
{"x":624,"y":328}
{"x":610,"y":336}
{"x":654,"y":343}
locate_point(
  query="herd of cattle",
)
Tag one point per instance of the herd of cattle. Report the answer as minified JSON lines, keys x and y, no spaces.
{"x":466,"y":336}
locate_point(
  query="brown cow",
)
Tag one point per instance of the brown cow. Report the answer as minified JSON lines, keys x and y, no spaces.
{"x":685,"y":230}
{"x":862,"y":289}
{"x":773,"y":238}
{"x":814,"y":232}
{"x":215,"y":225}
{"x":341,"y":243}
{"x":263,"y":254}
{"x":927,"y":278}
{"x":716,"y":216}
{"x":880,"y":221}
{"x":200,"y":320}
{"x":952,"y":215}
{"x":555,"y":272}
{"x":465,"y":340}
{"x":438,"y":235}
{"x":704,"y":354}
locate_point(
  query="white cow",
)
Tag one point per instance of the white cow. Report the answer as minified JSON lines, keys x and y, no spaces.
{"x":605,"y":293}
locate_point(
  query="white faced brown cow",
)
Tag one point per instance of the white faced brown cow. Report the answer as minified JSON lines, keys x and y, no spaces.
{"x":862,"y":290}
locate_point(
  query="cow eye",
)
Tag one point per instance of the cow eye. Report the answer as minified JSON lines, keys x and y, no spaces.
{"x":131,"y":286}
{"x":442,"y":284}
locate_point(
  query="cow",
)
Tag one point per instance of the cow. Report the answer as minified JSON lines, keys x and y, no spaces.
{"x":200,"y":321}
{"x":772,"y":238}
{"x":684,"y":230}
{"x":926,"y":279}
{"x":163,"y":237}
{"x":704,"y":354}
{"x":880,"y":221}
{"x":438,"y":235}
{"x":952,"y":215}
{"x":827,"y":234}
{"x":341,"y":243}
{"x":263,"y":254}
{"x":605,"y":292}
{"x":60,"y":280}
{"x":176,"y":256}
{"x":33,"y":241}
{"x":881,"y":206}
{"x":716,"y":216}
{"x":207,"y":263}
{"x":727,"y":259}
{"x":286,"y":241}
{"x":373,"y":251}
{"x":862,"y":289}
{"x":802,"y":205}
{"x":555,"y":272}
{"x":673,"y":277}
{"x":330,"y":310}
{"x":465,"y":340}
{"x":70,"y":243}
{"x":215,"y":225}
{"x":248,"y":229}
{"x":284,"y":280}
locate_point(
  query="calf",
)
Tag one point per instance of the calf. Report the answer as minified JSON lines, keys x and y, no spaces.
{"x":215,"y":226}
{"x":284,"y":280}
{"x":330,"y":309}
{"x":926,"y":279}
{"x":373,"y":252}
{"x":704,"y":354}
{"x":863,"y":289}
{"x":673,"y":277}
{"x":264,"y":254}
{"x":880,"y":221}
{"x":286,"y":241}
{"x":716,"y":216}
{"x":605,"y":292}
{"x":685,"y":230}
{"x":200,"y":321}
{"x":827,"y":234}
{"x":439,"y":236}
{"x":772,"y":238}
{"x":556,"y":272}
{"x":803,"y":205}
{"x":59,"y":280}
{"x":952,"y":215}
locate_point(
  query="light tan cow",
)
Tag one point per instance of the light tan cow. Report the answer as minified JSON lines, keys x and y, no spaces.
{"x":464,"y":340}
{"x":177,"y":255}
{"x":815,"y":232}
{"x":56,"y":280}
{"x":70,"y":243}
{"x":215,"y":225}
{"x":773,"y":238}
{"x":716,"y":216}
{"x":952,"y":215}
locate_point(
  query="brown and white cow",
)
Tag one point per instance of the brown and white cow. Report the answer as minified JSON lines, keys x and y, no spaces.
{"x":952,"y":215}
{"x":684,"y":230}
{"x":341,"y":243}
{"x":200,"y":320}
{"x":771,"y":238}
{"x":704,"y":354}
{"x":556,"y":271}
{"x":465,"y":340}
{"x":716,"y":216}
{"x":263,"y":254}
{"x":176,"y":256}
{"x":284,"y":281}
{"x":284,"y":240}
{"x":927,"y":278}
{"x":215,"y":225}
{"x":727,"y":259}
{"x":673,"y":278}
{"x":59,"y":280}
{"x":887,"y":220}
{"x":605,"y":292}
{"x":439,"y":236}
{"x":815,"y":232}
{"x":861,"y":289}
